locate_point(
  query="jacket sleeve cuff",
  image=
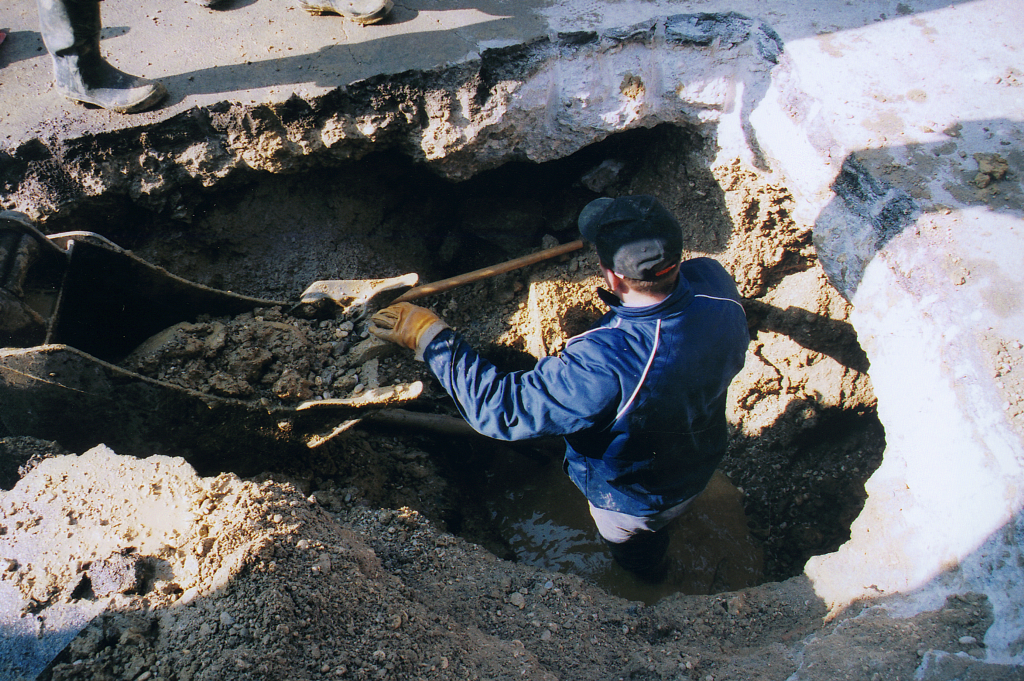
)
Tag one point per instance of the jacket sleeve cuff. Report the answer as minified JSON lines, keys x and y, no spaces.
{"x":427,"y":336}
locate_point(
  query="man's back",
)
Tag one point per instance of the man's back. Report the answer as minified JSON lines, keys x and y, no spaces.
{"x":675,"y":361}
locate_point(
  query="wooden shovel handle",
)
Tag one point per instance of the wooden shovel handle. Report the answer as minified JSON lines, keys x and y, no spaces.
{"x":485,"y":272}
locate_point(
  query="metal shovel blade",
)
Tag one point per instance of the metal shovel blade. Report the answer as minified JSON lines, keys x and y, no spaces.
{"x":355,"y":296}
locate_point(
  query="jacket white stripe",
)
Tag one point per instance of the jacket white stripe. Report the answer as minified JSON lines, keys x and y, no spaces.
{"x":727,"y":300}
{"x":643,"y":376}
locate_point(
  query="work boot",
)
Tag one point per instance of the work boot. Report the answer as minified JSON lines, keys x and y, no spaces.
{"x":360,"y":11}
{"x":71,"y":32}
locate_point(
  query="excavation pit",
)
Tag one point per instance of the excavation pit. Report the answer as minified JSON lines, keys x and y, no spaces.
{"x":805,"y":433}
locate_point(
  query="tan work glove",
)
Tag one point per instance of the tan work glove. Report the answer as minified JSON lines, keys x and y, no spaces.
{"x":408,"y":325}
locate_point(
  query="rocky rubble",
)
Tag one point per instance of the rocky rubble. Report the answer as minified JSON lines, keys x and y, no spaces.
{"x":265,"y":355}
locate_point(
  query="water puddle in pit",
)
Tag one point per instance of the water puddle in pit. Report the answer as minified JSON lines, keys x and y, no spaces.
{"x":545,"y":520}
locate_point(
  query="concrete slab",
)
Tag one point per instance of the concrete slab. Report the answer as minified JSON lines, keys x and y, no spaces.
{"x":267,"y":50}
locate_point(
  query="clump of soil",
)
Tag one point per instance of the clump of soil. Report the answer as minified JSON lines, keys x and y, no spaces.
{"x":255,"y":354}
{"x":1007,"y":366}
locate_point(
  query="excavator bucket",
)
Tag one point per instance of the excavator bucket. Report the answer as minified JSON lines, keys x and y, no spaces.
{"x":86,"y":304}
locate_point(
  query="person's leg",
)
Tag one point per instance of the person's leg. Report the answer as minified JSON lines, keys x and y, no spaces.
{"x":71,"y":33}
{"x":645,"y":554}
{"x":638,"y":543}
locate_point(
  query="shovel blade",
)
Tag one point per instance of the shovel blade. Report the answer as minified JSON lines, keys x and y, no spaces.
{"x":358,"y":296}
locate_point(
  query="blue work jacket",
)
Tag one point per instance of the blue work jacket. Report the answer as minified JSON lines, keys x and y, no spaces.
{"x":640,"y":397}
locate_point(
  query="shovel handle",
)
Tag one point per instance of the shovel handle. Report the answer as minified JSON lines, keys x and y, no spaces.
{"x":486,"y":272}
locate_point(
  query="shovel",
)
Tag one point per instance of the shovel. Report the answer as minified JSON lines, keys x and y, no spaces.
{"x":362,"y":297}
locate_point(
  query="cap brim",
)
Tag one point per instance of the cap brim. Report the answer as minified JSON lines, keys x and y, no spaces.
{"x":590,"y":217}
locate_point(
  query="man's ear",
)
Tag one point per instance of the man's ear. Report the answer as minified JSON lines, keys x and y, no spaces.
{"x":616,"y":282}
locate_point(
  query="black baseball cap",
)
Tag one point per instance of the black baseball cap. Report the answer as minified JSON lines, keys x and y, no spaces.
{"x":635,"y":236}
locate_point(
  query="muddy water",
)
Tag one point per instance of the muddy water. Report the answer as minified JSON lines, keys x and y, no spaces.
{"x":546,"y":522}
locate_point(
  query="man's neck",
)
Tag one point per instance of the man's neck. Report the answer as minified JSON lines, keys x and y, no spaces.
{"x":637,"y":299}
{"x":617,"y":285}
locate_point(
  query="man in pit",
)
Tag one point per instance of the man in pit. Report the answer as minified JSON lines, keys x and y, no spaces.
{"x":639,"y":398}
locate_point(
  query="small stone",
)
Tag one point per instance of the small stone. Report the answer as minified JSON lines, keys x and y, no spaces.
{"x":116,"y":574}
{"x":226,"y":619}
{"x":369,"y":374}
{"x":292,"y":386}
{"x":371,"y":348}
{"x":993,"y":165}
{"x":323,"y":564}
{"x":518,"y":600}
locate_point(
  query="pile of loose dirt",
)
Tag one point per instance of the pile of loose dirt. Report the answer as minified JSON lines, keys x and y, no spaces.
{"x":214,"y":578}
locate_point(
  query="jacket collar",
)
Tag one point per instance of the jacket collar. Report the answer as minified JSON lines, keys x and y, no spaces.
{"x":676,"y":301}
